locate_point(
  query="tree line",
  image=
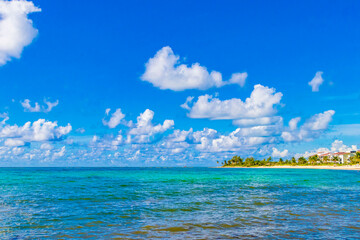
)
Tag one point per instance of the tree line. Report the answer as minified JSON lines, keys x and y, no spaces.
{"x":301,"y":161}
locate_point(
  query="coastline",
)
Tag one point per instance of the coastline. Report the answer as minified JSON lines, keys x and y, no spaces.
{"x":329,"y":167}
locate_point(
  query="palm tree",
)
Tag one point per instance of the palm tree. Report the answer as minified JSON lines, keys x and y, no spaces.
{"x":313,"y":159}
{"x":336,"y":159}
{"x":355,"y":159}
{"x":249,"y":161}
{"x":302,"y":160}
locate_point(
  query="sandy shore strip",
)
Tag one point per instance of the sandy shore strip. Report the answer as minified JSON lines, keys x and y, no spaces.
{"x":329,"y":167}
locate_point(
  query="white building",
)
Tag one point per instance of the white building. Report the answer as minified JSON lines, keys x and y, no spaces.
{"x":343,"y":157}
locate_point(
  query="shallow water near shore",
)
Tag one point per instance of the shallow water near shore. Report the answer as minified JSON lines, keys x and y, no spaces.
{"x":178,"y":203}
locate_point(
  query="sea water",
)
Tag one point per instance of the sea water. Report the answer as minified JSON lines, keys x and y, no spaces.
{"x":179,"y":203}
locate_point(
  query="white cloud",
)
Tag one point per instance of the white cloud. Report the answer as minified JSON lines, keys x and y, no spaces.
{"x":26,"y":105}
{"x":59,"y":153}
{"x":37,"y":108}
{"x":144,"y":130}
{"x":277,"y":154}
{"x":14,"y":142}
{"x":311,"y":129}
{"x":46,"y":146}
{"x":235,"y":141}
{"x":339,"y":146}
{"x":294,"y":122}
{"x":94,"y":139}
{"x":118,"y":140}
{"x":249,"y":122}
{"x":238,"y":78}
{"x":179,"y":135}
{"x":260,"y":131}
{"x":261,"y":103}
{"x":141,"y":133}
{"x":209,"y":140}
{"x":186,"y":104}
{"x":39,"y":130}
{"x":205,"y":133}
{"x":5,"y":117}
{"x":177,"y":150}
{"x":115,"y":118}
{"x":290,"y":137}
{"x":50,"y":105}
{"x":17,"y":151}
{"x":165,"y":72}
{"x":319,"y":121}
{"x":16,"y":30}
{"x":316,"y":82}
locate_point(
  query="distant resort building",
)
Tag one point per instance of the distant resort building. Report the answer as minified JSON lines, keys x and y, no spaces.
{"x":337,"y":157}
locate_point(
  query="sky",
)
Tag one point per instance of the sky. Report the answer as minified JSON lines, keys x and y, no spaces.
{"x":176,"y":83}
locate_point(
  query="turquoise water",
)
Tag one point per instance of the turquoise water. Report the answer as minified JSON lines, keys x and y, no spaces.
{"x":178,"y":203}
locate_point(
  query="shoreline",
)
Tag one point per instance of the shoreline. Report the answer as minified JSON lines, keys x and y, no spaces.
{"x":346,"y":167}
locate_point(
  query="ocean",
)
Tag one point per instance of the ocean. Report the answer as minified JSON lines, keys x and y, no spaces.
{"x":179,"y":203}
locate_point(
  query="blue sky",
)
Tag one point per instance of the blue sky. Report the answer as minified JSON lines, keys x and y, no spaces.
{"x":93,"y":56}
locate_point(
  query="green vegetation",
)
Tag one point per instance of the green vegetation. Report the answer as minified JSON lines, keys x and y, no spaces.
{"x":355,"y":159}
{"x":315,"y":160}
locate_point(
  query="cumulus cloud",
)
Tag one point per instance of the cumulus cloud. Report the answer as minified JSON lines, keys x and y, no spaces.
{"x":319,"y":121}
{"x":261,"y":103}
{"x":311,"y":129}
{"x":294,"y":122}
{"x":205,"y":133}
{"x":16,"y":30}
{"x":14,"y":142}
{"x":278,"y":154}
{"x":179,"y":135}
{"x":37,"y":108}
{"x":235,"y":141}
{"x":141,"y":132}
{"x":118,"y":140}
{"x":144,"y":130}
{"x":316,"y":82}
{"x":339,"y":146}
{"x":115,"y":118}
{"x":165,"y":72}
{"x":59,"y":153}
{"x":40,"y":130}
{"x":209,"y":140}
